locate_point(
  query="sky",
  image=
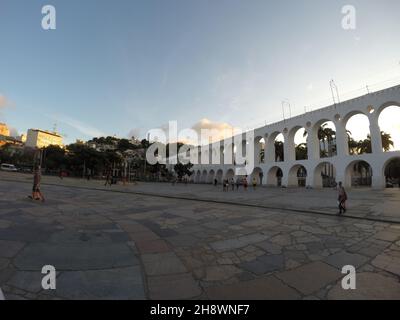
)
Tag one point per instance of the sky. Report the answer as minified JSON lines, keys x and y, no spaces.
{"x":125,"y":67}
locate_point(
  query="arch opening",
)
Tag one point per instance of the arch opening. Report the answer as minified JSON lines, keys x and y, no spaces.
{"x":297,"y":176}
{"x":300,"y":144}
{"x":274,"y":177}
{"x":326,"y":136}
{"x":204,"y":176}
{"x":325,"y":175}
{"x":219,"y":176}
{"x":358,"y":134}
{"x":210,"y":177}
{"x":257,"y":176}
{"x":358,"y":174}
{"x":279,"y":148}
{"x":392,"y":173}
{"x":390,"y":128}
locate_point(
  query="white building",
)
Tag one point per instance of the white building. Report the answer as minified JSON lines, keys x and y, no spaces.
{"x":39,"y":139}
{"x":212,"y":162}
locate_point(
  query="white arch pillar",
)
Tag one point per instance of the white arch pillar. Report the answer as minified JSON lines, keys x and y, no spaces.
{"x":342,"y":144}
{"x":376,"y":138}
{"x":289,"y":153}
{"x":312,"y":146}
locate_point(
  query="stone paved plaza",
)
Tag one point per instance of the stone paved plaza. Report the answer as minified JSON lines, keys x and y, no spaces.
{"x":118,"y":244}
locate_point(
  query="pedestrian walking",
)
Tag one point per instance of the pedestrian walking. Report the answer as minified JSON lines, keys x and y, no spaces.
{"x":108,"y":178}
{"x":342,"y":198}
{"x":232,"y":182}
{"x":254,"y":183}
{"x":37,"y":177}
{"x":215,"y":182}
{"x":245,"y":185}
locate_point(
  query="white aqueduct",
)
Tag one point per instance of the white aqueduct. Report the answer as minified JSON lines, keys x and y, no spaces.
{"x":340,"y":165}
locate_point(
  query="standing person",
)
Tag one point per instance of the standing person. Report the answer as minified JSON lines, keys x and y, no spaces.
{"x":108,"y":178}
{"x":342,"y":197}
{"x":232,"y":182}
{"x":245,"y":184}
{"x":254,"y":183}
{"x":215,"y":182}
{"x":37,"y":177}
{"x":237,"y":184}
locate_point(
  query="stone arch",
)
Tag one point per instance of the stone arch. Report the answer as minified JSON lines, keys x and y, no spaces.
{"x":391,"y":172}
{"x":204,"y":176}
{"x":274,"y":154}
{"x":387,"y":121}
{"x":385,"y":105}
{"x":297,"y":176}
{"x":230,"y":173}
{"x":198,"y":177}
{"x":259,"y":145}
{"x":324,"y":175}
{"x":258,"y":174}
{"x":210,"y":177}
{"x":300,"y":151}
{"x":320,"y":143}
{"x":354,"y":147}
{"x":274,"y":176}
{"x":219,"y":176}
{"x":358,"y":173}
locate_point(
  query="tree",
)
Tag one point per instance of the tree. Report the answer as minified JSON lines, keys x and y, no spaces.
{"x":183,"y":170}
{"x":387,"y":142}
{"x":301,"y":151}
{"x":279,"y":153}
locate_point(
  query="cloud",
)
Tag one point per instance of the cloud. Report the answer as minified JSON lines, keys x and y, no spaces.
{"x":135,"y":132}
{"x":4,"y":102}
{"x":218,"y":130}
{"x":80,"y":126}
{"x":13,"y":132}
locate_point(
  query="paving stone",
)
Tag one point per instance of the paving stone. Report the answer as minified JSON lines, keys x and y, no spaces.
{"x":162,"y":264}
{"x":4,"y":224}
{"x":154,"y":246}
{"x":310,"y":277}
{"x":270,"y":247}
{"x":369,"y":286}
{"x":387,"y":235}
{"x":388,"y":263}
{"x":173,"y":287}
{"x":27,"y":280}
{"x":344,"y":258}
{"x":264,"y":264}
{"x":114,"y":284}
{"x":4,"y":263}
{"x":183,"y":240}
{"x":218,"y":273}
{"x":75,"y":256}
{"x":9,"y":249}
{"x":267,"y":288}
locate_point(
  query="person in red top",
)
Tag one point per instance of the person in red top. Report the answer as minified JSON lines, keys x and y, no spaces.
{"x":37,"y":177}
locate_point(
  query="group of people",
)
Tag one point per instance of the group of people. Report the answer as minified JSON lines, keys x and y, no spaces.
{"x":229,"y":184}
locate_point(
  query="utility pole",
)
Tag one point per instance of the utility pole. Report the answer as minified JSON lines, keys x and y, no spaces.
{"x":334,"y":89}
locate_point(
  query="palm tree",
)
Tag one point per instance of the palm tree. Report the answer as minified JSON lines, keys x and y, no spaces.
{"x":387,"y":142}
{"x":301,"y":151}
{"x":279,"y":154}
